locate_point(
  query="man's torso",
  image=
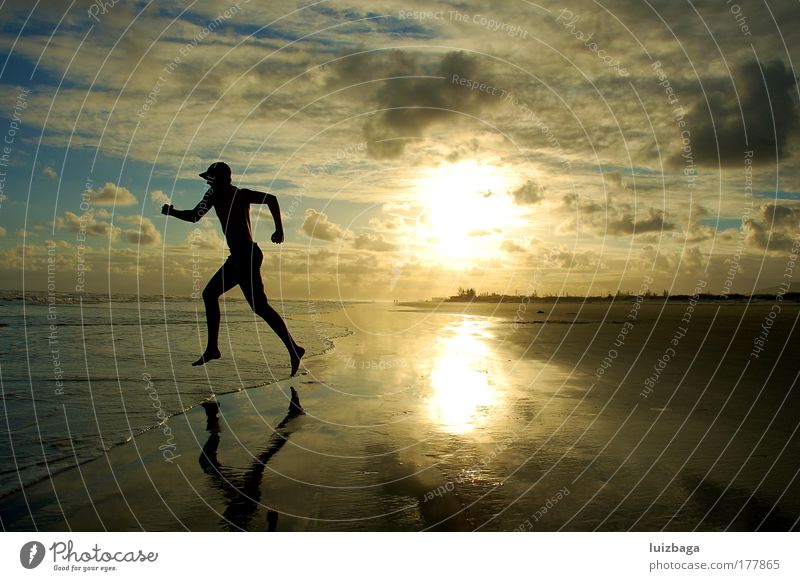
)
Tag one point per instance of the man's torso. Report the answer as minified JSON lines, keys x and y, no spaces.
{"x":233,"y":210}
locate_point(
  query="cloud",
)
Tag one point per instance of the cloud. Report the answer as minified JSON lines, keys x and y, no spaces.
{"x":317,"y":225}
{"x":409,"y":107}
{"x":111,"y":194}
{"x":627,"y":224}
{"x":393,"y":224}
{"x":159,"y":197}
{"x":529,"y":193}
{"x":511,"y":247}
{"x":697,"y":231}
{"x":782,"y":217}
{"x":563,"y":257}
{"x":50,"y":172}
{"x":144,"y":232}
{"x":571,"y":202}
{"x":483,"y":232}
{"x":362,"y":67}
{"x":205,"y":239}
{"x":576,"y":260}
{"x":767,"y":117}
{"x":375,"y":243}
{"x":588,"y":216}
{"x":688,"y":261}
{"x":88,"y":224}
{"x":777,"y":229}
{"x":458,"y":152}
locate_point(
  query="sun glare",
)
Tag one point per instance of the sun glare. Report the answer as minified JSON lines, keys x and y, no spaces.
{"x":467,"y":209}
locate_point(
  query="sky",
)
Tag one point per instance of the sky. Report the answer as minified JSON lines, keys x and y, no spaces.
{"x":415,"y":147}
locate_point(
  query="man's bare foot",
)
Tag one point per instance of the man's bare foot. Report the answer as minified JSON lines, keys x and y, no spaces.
{"x":296,"y":357}
{"x":209,"y":355}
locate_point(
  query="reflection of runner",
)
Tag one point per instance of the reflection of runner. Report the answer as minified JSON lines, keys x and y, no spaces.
{"x":242,"y":489}
{"x":243,"y":266}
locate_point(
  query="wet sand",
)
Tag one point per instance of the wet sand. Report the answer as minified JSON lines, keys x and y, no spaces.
{"x":459,"y":417}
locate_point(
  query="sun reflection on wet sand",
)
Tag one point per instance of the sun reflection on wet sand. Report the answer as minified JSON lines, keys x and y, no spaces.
{"x":463,"y":377}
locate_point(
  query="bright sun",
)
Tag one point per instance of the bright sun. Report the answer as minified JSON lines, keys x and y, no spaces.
{"x":466,"y":211}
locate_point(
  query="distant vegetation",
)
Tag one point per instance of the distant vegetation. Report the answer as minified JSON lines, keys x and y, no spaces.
{"x":470,"y":295}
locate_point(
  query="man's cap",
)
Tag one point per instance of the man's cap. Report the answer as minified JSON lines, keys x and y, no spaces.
{"x":216,"y":170}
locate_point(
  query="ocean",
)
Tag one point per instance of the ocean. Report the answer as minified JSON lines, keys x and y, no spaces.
{"x":80,"y":374}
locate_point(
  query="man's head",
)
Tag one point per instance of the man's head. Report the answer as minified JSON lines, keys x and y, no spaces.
{"x":217,"y":174}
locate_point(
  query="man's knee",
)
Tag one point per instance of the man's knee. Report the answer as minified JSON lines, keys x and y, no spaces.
{"x":210,"y":294}
{"x":261,"y":306}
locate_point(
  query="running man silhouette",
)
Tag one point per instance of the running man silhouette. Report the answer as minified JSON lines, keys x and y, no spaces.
{"x":243,"y":266}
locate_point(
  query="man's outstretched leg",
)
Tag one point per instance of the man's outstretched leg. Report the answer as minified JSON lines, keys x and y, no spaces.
{"x":218,"y":285}
{"x":264,"y":310}
{"x":253,"y":291}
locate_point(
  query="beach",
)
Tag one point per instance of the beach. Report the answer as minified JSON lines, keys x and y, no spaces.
{"x":632,"y":415}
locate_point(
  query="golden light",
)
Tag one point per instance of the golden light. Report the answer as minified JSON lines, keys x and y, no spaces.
{"x":466,"y":211}
{"x":463,"y":394}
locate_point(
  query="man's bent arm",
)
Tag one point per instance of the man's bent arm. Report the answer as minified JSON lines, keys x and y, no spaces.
{"x":271,"y":201}
{"x":192,"y":215}
{"x":275,"y":210}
